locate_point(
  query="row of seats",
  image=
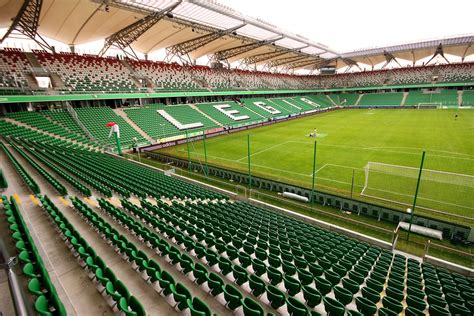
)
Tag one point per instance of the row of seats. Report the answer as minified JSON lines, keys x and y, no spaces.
{"x":382,"y":99}
{"x":55,"y":156}
{"x":148,"y":268}
{"x":202,"y":276}
{"x":40,"y":156}
{"x":61,"y":189}
{"x":35,"y":119}
{"x":118,"y":296}
{"x":8,"y":129}
{"x":21,"y":171}
{"x":46,"y":299}
{"x":63,"y":117}
{"x":83,"y":73}
{"x":88,"y":72}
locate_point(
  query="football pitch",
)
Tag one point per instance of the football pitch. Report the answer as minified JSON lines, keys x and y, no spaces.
{"x":373,"y":154}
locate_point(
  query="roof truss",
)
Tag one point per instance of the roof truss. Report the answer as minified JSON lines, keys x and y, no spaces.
{"x":235,"y":51}
{"x":186,"y":47}
{"x":27,"y":21}
{"x":129,"y":34}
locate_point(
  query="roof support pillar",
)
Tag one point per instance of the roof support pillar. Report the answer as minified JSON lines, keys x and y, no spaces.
{"x":26,"y":23}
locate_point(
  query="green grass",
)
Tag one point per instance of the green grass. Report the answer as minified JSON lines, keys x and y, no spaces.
{"x":347,"y":141}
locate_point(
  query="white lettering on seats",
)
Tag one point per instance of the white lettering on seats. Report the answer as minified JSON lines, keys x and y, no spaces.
{"x":230,"y":113}
{"x":310,"y":102}
{"x":267,"y":108}
{"x":176,"y":123}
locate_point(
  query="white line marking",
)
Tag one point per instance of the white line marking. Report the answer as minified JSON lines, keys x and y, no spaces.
{"x":316,"y":172}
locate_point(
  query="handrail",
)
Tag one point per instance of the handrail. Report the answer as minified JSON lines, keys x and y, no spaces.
{"x":19,"y":301}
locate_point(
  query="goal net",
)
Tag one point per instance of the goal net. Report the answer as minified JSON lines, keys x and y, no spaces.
{"x":430,"y":105}
{"x":439,"y":190}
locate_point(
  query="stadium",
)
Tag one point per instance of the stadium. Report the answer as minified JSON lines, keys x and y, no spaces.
{"x":165,"y":157}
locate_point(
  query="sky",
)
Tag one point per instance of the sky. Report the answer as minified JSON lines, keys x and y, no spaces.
{"x":347,"y":25}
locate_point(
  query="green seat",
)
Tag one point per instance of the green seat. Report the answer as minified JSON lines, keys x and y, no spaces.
{"x":132,"y":308}
{"x":356,"y":277}
{"x":165,"y":283}
{"x":275,"y":296}
{"x":29,"y":270}
{"x":225,"y":265}
{"x":370,"y":295}
{"x":394,"y":293}
{"x":274,"y":275}
{"x":392,"y":304}
{"x":350,"y":285}
{"x":332,"y":277}
{"x":240,"y":274}
{"x":416,"y":302}
{"x":312,"y":296}
{"x":354,"y":313}
{"x":244,"y":259}
{"x":292,"y":285}
{"x":232,"y":296}
{"x":199,"y":273}
{"x":251,"y":307}
{"x":342,"y":295}
{"x":288,"y":267}
{"x":413,"y":292}
{"x":34,"y":287}
{"x":304,"y":276}
{"x":436,"y":310}
{"x":323,"y":285}
{"x":375,"y":285}
{"x":215,"y":283}
{"x":458,"y":309}
{"x":274,"y":260}
{"x":315,"y":269}
{"x":295,"y":307}
{"x":365,"y":306}
{"x":386,"y":312}
{"x":333,"y":307}
{"x":258,"y":266}
{"x":436,"y":300}
{"x":411,"y":311}
{"x":256,"y":285}
{"x":42,"y":307}
{"x":198,"y":307}
{"x":180,"y":294}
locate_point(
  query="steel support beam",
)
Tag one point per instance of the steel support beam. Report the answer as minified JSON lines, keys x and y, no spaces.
{"x":286,"y":60}
{"x":439,"y":51}
{"x":235,"y":51}
{"x":388,"y":59}
{"x":186,"y":47}
{"x":123,"y":38}
{"x":255,"y":59}
{"x":26,"y":23}
{"x":304,"y":63}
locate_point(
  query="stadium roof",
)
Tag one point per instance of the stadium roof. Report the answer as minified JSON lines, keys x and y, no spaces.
{"x":190,"y":29}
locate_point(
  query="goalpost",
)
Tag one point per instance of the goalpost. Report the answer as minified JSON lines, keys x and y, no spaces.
{"x":429,"y":105}
{"x":439,"y":190}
